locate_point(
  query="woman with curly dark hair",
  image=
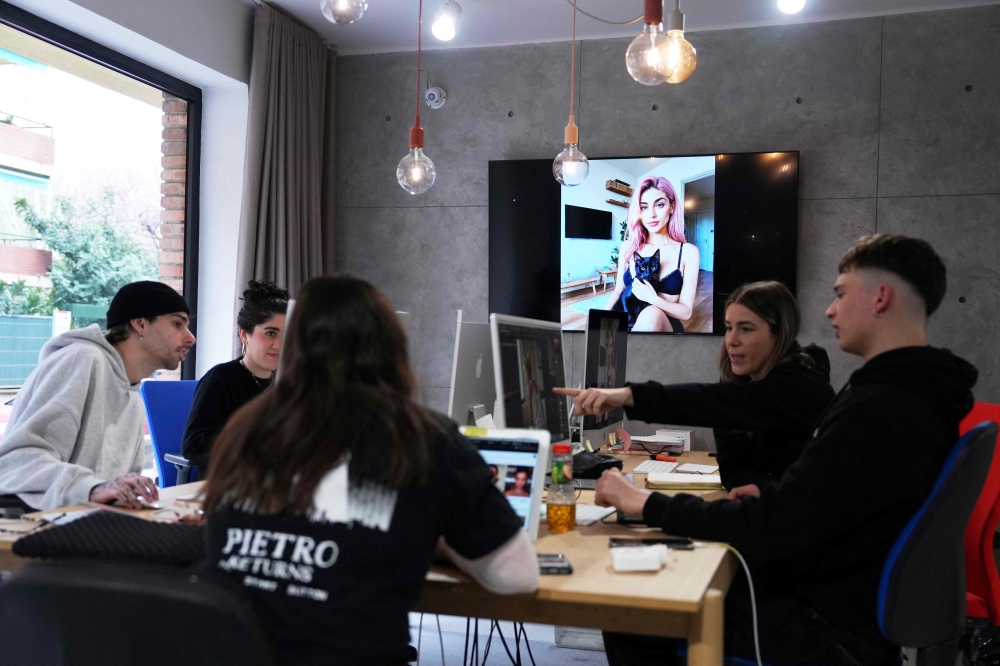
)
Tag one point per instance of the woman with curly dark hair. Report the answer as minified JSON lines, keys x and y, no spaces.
{"x":228,"y":386}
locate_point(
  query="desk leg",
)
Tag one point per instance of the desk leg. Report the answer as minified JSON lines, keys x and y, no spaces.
{"x":705,"y":635}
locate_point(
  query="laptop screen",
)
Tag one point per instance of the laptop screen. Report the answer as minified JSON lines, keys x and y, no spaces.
{"x":514,"y":463}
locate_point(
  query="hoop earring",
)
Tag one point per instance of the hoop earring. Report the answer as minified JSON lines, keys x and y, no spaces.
{"x":876,"y":314}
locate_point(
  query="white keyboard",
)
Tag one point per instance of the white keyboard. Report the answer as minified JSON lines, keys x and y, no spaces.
{"x":655,"y":466}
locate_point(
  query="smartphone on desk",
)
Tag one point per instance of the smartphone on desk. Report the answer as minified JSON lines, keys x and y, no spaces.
{"x":554,"y":564}
{"x":630,"y":519}
{"x":678,"y":543}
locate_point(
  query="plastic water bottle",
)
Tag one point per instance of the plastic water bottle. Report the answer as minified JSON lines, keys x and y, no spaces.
{"x":561,"y":503}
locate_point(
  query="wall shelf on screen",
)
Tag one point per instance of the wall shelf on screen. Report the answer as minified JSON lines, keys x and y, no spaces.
{"x":618,"y":187}
{"x":617,"y":202}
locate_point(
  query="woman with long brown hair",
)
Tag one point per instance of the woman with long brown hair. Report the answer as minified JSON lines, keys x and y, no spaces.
{"x":327,"y":495}
{"x":766,"y":405}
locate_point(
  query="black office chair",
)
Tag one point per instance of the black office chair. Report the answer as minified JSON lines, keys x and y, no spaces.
{"x":921,"y":597}
{"x":84,"y":613}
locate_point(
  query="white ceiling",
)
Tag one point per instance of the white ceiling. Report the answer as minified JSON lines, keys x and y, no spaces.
{"x":638,"y":166}
{"x":391,"y":25}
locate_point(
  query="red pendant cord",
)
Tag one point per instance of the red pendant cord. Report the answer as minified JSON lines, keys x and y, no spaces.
{"x":417,"y":132}
{"x":572,"y":65}
{"x":571,"y":135}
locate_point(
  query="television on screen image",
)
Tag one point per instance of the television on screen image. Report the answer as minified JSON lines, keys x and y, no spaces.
{"x":685,"y":232}
{"x":587,"y":223}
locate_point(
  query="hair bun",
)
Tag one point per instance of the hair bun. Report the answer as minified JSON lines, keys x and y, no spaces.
{"x":264,"y":290}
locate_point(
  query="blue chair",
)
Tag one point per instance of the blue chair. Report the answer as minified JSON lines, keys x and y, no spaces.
{"x":167,"y":406}
{"x":921,"y":595}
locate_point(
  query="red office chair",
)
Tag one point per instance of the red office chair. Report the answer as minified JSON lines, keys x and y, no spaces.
{"x":982,"y":580}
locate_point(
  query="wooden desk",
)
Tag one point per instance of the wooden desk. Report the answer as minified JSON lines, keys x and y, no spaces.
{"x":684,"y":600}
{"x":608,"y":275}
{"x":9,"y":561}
{"x":582,"y":282}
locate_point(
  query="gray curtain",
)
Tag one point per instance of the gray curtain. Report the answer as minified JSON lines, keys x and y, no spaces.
{"x":288,"y":213}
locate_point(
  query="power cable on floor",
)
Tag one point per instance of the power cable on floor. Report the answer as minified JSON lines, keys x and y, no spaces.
{"x":465,"y":651}
{"x":420,"y":633}
{"x":753,"y":604}
{"x":527,"y":643}
{"x":440,"y":638}
{"x":506,"y":649}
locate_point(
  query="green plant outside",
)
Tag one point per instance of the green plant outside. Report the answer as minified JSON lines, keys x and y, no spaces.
{"x":95,"y":251}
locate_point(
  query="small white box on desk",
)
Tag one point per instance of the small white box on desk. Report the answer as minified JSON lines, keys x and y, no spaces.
{"x":686,"y":435}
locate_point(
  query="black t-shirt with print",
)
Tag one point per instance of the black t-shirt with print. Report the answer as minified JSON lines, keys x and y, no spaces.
{"x":340,"y":592}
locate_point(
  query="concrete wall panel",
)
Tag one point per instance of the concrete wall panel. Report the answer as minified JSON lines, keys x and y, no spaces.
{"x":429,"y":262}
{"x":936,"y":136}
{"x":827,"y":228}
{"x":964,"y":231}
{"x":484,"y":87}
{"x":742,"y":98}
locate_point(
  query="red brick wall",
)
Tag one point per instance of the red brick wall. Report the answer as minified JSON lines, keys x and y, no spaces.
{"x":26,"y":261}
{"x":174,"y":163}
{"x":26,"y":145}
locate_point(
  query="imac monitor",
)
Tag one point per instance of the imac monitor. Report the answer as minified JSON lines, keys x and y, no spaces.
{"x":517,"y":459}
{"x":473,"y":387}
{"x":528,"y":364}
{"x":606,"y":343}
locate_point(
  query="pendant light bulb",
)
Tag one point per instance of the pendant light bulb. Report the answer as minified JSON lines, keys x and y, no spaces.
{"x":415,"y":173}
{"x":678,"y":58}
{"x":446,"y":22}
{"x":343,"y":11}
{"x":571,"y":166}
{"x":791,"y":6}
{"x":644,"y":55}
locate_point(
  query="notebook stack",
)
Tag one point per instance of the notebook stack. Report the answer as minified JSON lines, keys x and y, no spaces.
{"x":682,"y":481}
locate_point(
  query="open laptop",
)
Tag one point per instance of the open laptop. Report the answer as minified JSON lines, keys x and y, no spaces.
{"x":518,"y":459}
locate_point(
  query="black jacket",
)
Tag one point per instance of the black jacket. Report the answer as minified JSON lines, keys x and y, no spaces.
{"x":224,"y":389}
{"x":760,"y":427}
{"x":824,"y":531}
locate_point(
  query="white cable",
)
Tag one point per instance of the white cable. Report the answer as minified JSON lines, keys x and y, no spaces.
{"x":437,"y":618}
{"x":753,"y":604}
{"x":597,"y":18}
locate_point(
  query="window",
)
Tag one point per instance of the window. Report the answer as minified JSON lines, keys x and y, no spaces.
{"x":98,"y":184}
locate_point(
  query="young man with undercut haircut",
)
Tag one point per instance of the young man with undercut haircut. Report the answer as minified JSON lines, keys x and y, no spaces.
{"x":818,"y":539}
{"x":76,"y":431}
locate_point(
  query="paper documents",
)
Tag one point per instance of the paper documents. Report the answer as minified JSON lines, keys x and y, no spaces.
{"x":694,"y":468}
{"x":679,"y":481}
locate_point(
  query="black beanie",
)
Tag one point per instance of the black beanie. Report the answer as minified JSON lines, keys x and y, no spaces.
{"x":144,"y":300}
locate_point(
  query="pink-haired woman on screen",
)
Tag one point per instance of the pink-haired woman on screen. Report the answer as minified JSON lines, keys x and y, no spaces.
{"x":658,"y":268}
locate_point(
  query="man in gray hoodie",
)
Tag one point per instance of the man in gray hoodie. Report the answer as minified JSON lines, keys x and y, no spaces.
{"x":75,"y":433}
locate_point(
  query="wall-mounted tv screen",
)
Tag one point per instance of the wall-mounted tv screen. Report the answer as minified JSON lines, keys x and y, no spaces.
{"x":589,"y":223}
{"x":685,"y":232}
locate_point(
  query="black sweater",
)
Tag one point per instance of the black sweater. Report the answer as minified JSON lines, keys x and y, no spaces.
{"x":760,"y":427}
{"x":824,"y":531}
{"x":224,"y":389}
